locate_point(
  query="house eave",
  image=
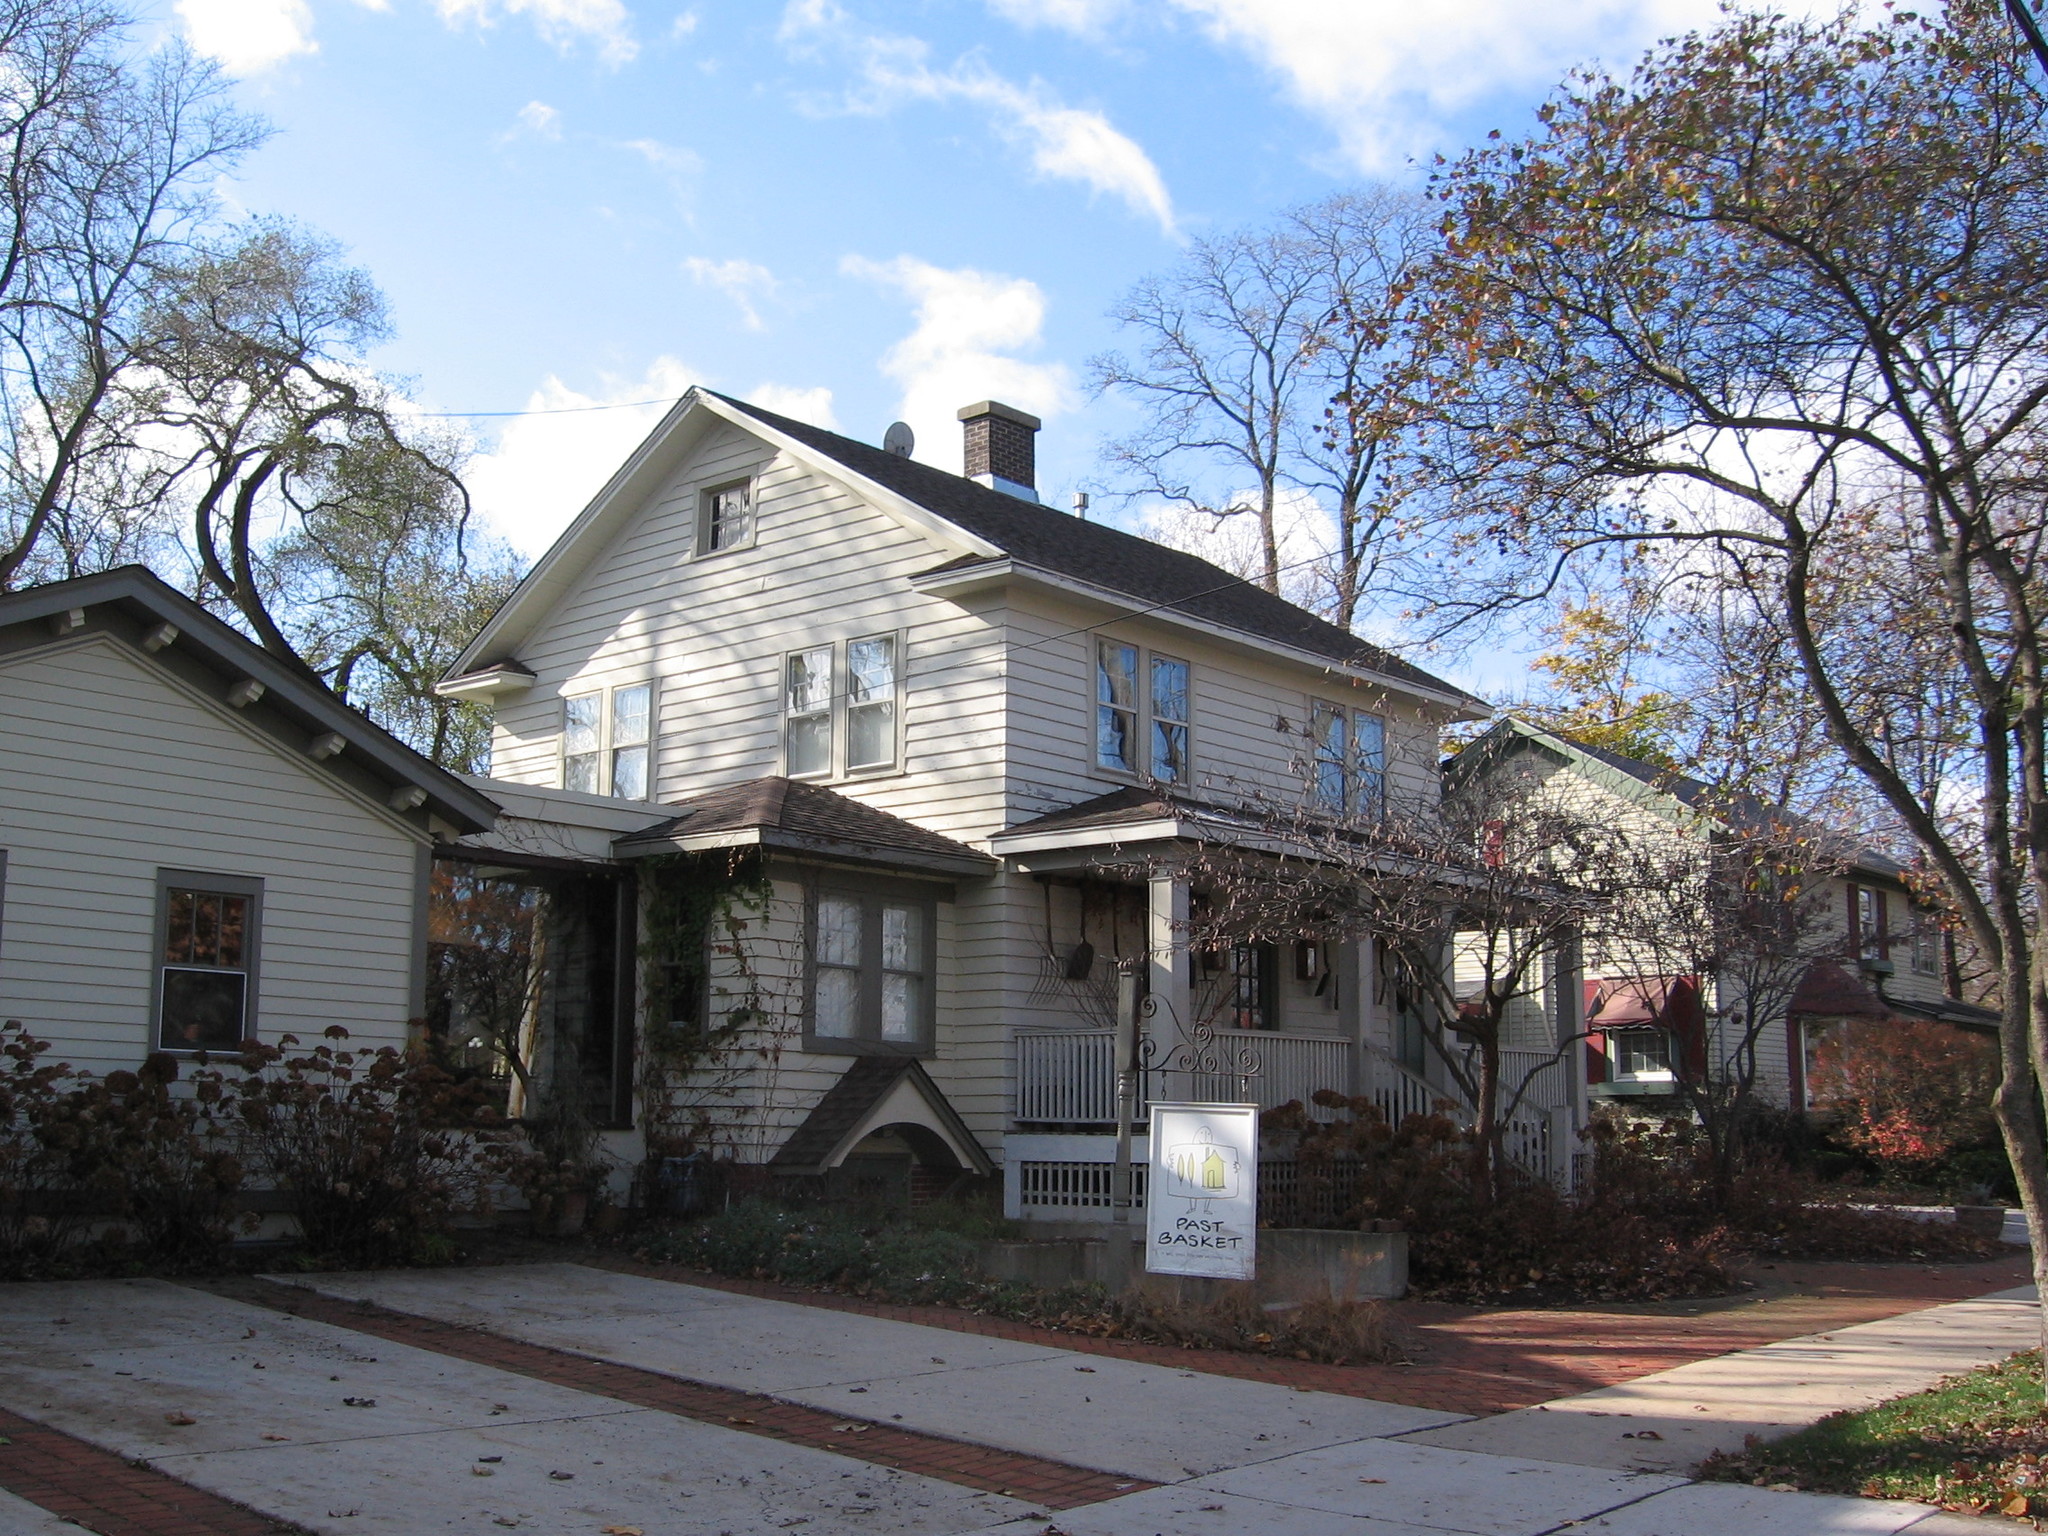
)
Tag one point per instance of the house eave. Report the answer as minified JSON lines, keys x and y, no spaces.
{"x":799,"y":846}
{"x":487,"y":683}
{"x":964,"y":581}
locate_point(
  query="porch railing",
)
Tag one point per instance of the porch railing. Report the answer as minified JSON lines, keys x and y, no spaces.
{"x":1068,"y":1077}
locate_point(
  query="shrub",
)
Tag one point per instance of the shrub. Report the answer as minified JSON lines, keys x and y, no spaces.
{"x":1911,"y":1094}
{"x":362,"y":1145}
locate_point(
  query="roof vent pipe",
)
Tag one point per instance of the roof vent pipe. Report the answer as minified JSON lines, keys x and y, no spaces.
{"x":1001,"y":448}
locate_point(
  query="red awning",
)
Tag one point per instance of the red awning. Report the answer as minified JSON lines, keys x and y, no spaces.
{"x":1665,"y":1000}
{"x":1830,"y":991}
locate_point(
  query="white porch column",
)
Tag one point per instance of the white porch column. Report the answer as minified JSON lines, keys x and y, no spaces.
{"x":1361,"y":1015}
{"x":1170,"y":975}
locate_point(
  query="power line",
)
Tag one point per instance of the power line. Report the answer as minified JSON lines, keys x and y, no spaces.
{"x":559,"y":410}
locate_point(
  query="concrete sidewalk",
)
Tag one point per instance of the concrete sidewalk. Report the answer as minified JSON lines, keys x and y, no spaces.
{"x":1672,"y":1421}
{"x":342,"y":1430}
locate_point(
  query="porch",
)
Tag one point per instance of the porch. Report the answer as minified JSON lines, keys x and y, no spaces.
{"x":1058,"y":1157}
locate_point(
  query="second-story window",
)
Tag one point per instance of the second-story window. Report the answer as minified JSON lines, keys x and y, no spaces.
{"x":871,"y":702}
{"x":1348,"y":773}
{"x":632,"y":727}
{"x":1143,"y":712}
{"x":1116,"y":706}
{"x":1866,"y":922}
{"x":807,"y":713}
{"x":1169,"y":719}
{"x":582,"y":742}
{"x":1926,"y":945}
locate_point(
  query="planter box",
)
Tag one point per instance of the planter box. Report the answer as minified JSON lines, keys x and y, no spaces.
{"x":1296,"y":1264}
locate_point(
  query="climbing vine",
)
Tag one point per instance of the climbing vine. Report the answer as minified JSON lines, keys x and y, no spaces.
{"x":701,"y":1030}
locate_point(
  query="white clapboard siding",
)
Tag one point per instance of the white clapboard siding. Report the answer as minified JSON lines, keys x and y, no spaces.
{"x":109,"y":771}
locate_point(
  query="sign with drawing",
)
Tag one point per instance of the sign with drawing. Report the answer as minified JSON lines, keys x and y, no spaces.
{"x":1202,"y":1191}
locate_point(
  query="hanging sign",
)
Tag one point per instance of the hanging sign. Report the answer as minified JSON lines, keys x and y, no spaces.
{"x":1202,"y":1191}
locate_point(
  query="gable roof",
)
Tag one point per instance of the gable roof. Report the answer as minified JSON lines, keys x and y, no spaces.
{"x":290,"y":703}
{"x":1631,"y":776}
{"x":1103,"y":556}
{"x":978,"y":526}
{"x":791,"y":816}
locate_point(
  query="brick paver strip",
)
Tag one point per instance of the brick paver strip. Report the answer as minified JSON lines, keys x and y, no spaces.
{"x":1480,"y":1360}
{"x":1050,"y":1483}
{"x":98,"y":1491}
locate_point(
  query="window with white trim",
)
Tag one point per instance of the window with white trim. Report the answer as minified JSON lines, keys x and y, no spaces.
{"x":807,"y":713}
{"x":1867,"y":923}
{"x":608,"y":741}
{"x":582,"y":741}
{"x":207,"y":929}
{"x":1144,"y":711}
{"x":1348,"y":759}
{"x":871,"y":688}
{"x":1926,"y":945}
{"x":1640,"y":1055}
{"x":727,"y":519}
{"x":870,"y":955}
{"x":632,"y":731}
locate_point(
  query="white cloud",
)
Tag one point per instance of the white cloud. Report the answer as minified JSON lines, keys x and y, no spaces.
{"x":682,"y":27}
{"x":246,"y":37}
{"x":810,"y":405}
{"x":671,"y":158}
{"x":968,"y":325}
{"x":741,"y":281}
{"x":1385,"y":74}
{"x":540,"y":120}
{"x":545,"y":468}
{"x":1065,"y":143}
{"x":561,"y":23}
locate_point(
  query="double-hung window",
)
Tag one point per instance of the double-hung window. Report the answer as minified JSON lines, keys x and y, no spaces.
{"x":1348,"y":767}
{"x":727,"y":519}
{"x":1926,"y":945}
{"x":871,"y":702}
{"x":607,"y":741}
{"x":582,"y":742}
{"x":1144,"y":710}
{"x":206,"y":932}
{"x":1867,"y":922}
{"x":1641,"y":1055}
{"x":807,"y":713}
{"x":870,"y":971}
{"x":632,"y":711}
{"x":819,"y":686}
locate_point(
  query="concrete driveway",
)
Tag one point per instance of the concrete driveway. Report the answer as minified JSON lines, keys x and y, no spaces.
{"x":489,"y":1399}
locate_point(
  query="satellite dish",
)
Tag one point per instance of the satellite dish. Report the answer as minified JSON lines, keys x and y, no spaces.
{"x":899,"y":439}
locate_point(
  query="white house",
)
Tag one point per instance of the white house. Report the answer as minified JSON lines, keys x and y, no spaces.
{"x":1872,"y":951}
{"x":967,"y":733}
{"x":199,"y":843}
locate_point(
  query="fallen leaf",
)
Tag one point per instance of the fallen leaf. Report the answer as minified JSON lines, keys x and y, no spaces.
{"x":1217,"y":1507}
{"x":563,"y":1477}
{"x":621,"y":1530}
{"x":269,"y":1436}
{"x":490,"y":1458}
{"x":733,"y":1419}
{"x":503,"y":1520}
{"x":1372,"y":1479}
{"x":1086,"y":1369}
{"x":360,"y":1402}
{"x":2016,"y":1505}
{"x":180,"y":1418}
{"x":481,"y":1472}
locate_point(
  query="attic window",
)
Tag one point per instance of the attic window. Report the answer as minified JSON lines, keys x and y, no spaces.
{"x":727,"y":521}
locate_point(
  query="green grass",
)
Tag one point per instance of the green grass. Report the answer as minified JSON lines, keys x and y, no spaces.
{"x":1977,"y":1443}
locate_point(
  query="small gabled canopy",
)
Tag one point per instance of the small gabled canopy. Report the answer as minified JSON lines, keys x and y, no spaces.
{"x":276,"y":696}
{"x":877,"y":1092}
{"x":790,"y":816}
{"x":1826,"y":990}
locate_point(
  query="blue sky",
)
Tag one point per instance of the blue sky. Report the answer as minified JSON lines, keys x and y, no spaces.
{"x":850,"y":210}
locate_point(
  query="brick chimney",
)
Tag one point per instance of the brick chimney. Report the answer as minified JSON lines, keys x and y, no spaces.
{"x":1001,"y":448}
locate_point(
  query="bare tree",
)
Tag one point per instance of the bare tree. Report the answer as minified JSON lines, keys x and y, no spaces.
{"x":1243,"y":348}
{"x":1474,"y":905}
{"x":106,"y":166}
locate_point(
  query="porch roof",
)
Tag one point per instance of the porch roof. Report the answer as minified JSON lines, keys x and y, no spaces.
{"x":1133,"y":814}
{"x":789,"y":816}
{"x":1827,"y":990}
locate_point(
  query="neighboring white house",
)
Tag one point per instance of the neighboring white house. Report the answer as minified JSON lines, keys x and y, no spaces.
{"x":968,"y":732}
{"x":1872,"y":951}
{"x":199,"y":843}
